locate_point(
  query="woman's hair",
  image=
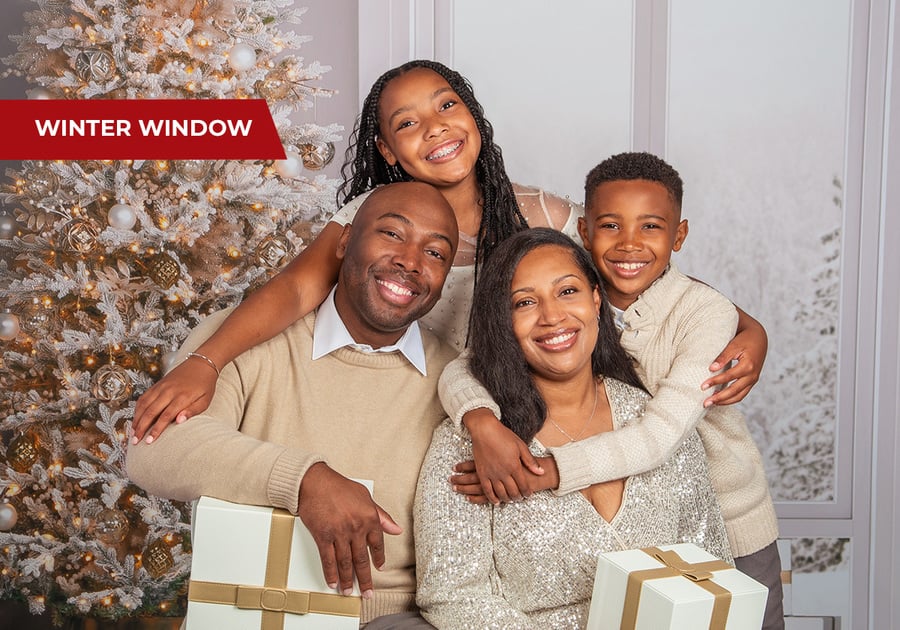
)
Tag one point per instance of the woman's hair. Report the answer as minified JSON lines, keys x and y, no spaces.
{"x":497,"y":358}
{"x":365,"y":168}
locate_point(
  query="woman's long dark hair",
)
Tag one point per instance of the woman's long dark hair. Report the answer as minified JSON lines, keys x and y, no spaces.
{"x":365,"y":168}
{"x":497,"y":358}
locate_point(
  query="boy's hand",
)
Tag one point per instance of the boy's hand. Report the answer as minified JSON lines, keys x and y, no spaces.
{"x":501,"y":458}
{"x":467,"y":482}
{"x":748,"y":352}
{"x":347,"y":525}
{"x":184,"y":392}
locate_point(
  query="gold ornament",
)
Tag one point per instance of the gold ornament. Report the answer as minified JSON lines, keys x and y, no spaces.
{"x":273,"y":250}
{"x":42,"y":182}
{"x":81,"y":236}
{"x":95,"y":64}
{"x":111,"y":384}
{"x":35,"y":317}
{"x":158,"y":558}
{"x":164,"y":271}
{"x":111,"y":526}
{"x":273,"y":88}
{"x":316,"y":155}
{"x":22,"y":453}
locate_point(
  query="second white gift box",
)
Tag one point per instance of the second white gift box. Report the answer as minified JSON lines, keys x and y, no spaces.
{"x":673,"y":587}
{"x":258,"y":568}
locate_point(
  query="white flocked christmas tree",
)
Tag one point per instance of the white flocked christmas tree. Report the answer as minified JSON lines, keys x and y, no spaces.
{"x":107,"y":265}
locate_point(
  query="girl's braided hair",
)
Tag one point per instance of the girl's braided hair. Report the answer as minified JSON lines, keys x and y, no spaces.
{"x":365,"y":168}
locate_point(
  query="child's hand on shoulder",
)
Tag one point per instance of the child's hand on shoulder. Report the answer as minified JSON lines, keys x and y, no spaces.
{"x":184,"y":392}
{"x":503,"y":469}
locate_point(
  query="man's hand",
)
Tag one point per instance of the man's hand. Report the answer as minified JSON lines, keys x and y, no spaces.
{"x":467,"y":482}
{"x":346,"y":524}
{"x":503,"y":460}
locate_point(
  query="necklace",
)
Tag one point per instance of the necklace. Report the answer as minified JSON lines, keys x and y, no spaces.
{"x":586,"y":423}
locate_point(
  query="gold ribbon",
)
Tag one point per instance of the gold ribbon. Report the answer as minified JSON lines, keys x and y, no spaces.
{"x":274,"y":599}
{"x":699,"y":573}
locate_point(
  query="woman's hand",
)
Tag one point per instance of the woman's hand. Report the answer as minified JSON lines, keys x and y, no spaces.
{"x":503,"y":461}
{"x":184,"y":392}
{"x":748,"y":351}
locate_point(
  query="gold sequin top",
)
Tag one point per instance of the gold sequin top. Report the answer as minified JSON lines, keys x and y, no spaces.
{"x":531,"y":564}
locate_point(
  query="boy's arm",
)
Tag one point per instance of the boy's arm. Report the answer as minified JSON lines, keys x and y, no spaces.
{"x":748,"y":352}
{"x":501,"y":458}
{"x":676,"y":407}
{"x":298,"y":289}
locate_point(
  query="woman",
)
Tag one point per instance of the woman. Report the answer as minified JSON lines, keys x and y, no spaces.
{"x":547,"y":350}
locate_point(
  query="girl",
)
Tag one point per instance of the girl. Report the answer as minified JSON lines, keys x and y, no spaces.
{"x":420,"y":121}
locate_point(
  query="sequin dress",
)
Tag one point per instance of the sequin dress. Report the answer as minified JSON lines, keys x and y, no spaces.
{"x":531,"y":564}
{"x":449,"y":319}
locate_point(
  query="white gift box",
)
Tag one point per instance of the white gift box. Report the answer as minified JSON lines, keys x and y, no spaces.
{"x":653,"y":589}
{"x":258,"y":568}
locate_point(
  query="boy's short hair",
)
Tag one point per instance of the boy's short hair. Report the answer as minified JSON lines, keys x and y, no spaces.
{"x":634,"y":165}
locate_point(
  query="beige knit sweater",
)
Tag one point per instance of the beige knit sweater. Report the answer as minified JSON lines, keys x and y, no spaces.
{"x":276,"y":412}
{"x":674,"y":330}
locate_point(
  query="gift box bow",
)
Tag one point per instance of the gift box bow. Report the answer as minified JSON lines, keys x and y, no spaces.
{"x":673,"y":566}
{"x":273,"y":597}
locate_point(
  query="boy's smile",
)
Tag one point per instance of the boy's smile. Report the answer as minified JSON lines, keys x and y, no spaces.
{"x":631,"y":227}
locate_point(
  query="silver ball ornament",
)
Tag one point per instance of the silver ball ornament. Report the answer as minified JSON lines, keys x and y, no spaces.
{"x":122,"y":216}
{"x":39,"y":94}
{"x":8,"y":517}
{"x":7,"y":226}
{"x":291,"y":167}
{"x":241,"y":57}
{"x":9,"y":326}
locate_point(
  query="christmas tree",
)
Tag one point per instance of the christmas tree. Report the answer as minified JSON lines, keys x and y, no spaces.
{"x":107,"y":265}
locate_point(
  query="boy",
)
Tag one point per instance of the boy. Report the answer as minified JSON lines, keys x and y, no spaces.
{"x":673,"y":327}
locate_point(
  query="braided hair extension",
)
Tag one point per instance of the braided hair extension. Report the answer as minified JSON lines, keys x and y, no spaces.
{"x":365,"y":168}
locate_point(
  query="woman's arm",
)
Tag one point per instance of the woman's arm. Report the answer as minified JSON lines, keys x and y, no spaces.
{"x":298,"y":289}
{"x":454,"y":547}
{"x":748,"y":351}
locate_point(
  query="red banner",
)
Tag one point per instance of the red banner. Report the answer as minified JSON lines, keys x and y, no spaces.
{"x":170,"y":129}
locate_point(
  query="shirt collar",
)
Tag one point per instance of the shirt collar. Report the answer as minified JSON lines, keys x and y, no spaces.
{"x":330,"y":333}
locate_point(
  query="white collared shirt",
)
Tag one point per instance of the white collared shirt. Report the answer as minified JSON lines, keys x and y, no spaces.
{"x":330,"y":333}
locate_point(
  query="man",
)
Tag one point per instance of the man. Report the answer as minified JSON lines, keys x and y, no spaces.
{"x":350,"y":391}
